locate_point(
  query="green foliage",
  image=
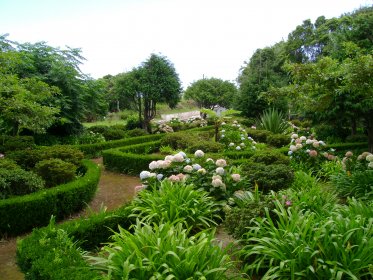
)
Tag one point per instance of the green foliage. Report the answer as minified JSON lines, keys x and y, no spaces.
{"x":258,"y":135}
{"x":210,"y":92}
{"x":136,"y":132}
{"x":331,"y":132}
{"x":171,"y":254}
{"x":21,"y":214}
{"x":182,"y":140}
{"x":356,"y":138}
{"x":176,"y":203}
{"x":133,"y":122}
{"x":66,"y":153}
{"x":246,"y":207}
{"x":205,"y":145}
{"x":268,"y":177}
{"x":55,"y":171}
{"x":278,"y":140}
{"x":274,"y":121}
{"x":13,"y":143}
{"x":15,"y":181}
{"x":300,"y":244}
{"x":8,"y":164}
{"x":50,"y":253}
{"x":269,"y":157}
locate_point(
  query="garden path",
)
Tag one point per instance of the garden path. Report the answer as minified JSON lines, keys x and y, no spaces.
{"x":114,"y":189}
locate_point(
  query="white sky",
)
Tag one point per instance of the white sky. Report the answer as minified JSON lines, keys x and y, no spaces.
{"x":200,"y":37}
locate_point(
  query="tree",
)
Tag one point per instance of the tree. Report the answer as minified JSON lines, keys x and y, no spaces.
{"x":159,"y":83}
{"x":262,"y":72}
{"x":210,"y":92}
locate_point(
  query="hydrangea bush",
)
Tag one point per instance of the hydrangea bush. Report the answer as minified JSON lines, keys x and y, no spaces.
{"x":308,"y":151}
{"x":234,"y":137}
{"x":214,"y":176}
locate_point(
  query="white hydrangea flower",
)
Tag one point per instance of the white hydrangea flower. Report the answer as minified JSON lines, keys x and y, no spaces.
{"x":199,"y":154}
{"x":188,"y":168}
{"x":236,"y":177}
{"x":238,"y":148}
{"x":309,"y":141}
{"x":294,"y":136}
{"x":144,"y":175}
{"x":196,"y":166}
{"x":153,"y":165}
{"x":217,"y":183}
{"x":178,"y":158}
{"x":202,"y":171}
{"x":182,"y":154}
{"x":293,"y":148}
{"x":221,"y":163}
{"x":169,"y":157}
{"x":303,"y":138}
{"x":369,"y":158}
{"x":220,"y":171}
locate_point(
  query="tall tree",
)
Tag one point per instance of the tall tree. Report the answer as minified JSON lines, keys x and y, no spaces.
{"x":159,"y":82}
{"x":210,"y":92}
{"x":263,"y":71}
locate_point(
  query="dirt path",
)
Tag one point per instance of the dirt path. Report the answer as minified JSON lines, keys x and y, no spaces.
{"x":113,"y":190}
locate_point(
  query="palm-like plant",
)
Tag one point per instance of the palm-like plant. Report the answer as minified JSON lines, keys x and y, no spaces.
{"x":273,"y":121}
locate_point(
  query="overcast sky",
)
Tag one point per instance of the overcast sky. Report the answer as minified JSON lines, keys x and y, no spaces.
{"x":211,"y":38}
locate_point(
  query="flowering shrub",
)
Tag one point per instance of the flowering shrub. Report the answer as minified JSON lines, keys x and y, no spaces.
{"x":215,"y":177}
{"x":234,"y":137}
{"x":308,"y":151}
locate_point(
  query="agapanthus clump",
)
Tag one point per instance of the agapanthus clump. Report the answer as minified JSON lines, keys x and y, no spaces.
{"x":308,"y":152}
{"x":216,"y":177}
{"x":235,"y":137}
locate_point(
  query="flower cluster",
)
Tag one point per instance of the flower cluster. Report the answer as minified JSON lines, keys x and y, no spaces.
{"x":216,"y":177}
{"x":309,"y":150}
{"x":362,"y":162}
{"x":234,"y":137}
{"x":164,"y":128}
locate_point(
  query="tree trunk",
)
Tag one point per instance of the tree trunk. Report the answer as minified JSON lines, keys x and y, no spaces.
{"x":353,"y":126}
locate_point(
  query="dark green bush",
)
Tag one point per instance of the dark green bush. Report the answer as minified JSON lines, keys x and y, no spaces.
{"x":22,"y":213}
{"x":270,"y":157}
{"x":13,"y":143}
{"x":16,"y":182}
{"x":26,"y":158}
{"x":178,"y":140}
{"x":133,"y":122}
{"x":66,"y":153}
{"x":268,"y":177}
{"x":278,"y":140}
{"x":8,"y":164}
{"x":98,"y":129}
{"x":55,"y":171}
{"x":49,"y":253}
{"x":136,"y":132}
{"x":327,"y":132}
{"x":357,"y":138}
{"x":248,"y":122}
{"x":258,"y":135}
{"x":206,"y":146}
{"x":114,"y":134}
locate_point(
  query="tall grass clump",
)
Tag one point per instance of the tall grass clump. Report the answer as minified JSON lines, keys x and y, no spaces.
{"x":273,"y":121}
{"x":301,"y":245}
{"x":176,"y":202}
{"x":162,"y":251}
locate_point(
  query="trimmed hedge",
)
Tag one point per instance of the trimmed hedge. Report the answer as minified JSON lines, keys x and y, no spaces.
{"x":21,"y":214}
{"x":132,"y":159}
{"x":35,"y":261}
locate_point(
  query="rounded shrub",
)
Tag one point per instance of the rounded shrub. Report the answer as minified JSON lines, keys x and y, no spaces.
{"x":278,"y":140}
{"x":269,"y":157}
{"x":65,"y":153}
{"x":55,"y":171}
{"x":8,"y":164}
{"x":136,"y":132}
{"x":179,"y":140}
{"x":16,"y":182}
{"x":268,"y":177}
{"x":206,"y":146}
{"x":13,"y":143}
{"x":258,"y":135}
{"x":133,"y":122}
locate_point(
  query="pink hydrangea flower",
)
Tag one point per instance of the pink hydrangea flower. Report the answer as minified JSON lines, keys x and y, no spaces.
{"x":174,"y":178}
{"x":312,"y":153}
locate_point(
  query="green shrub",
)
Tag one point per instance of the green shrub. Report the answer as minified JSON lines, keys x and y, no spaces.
{"x":269,"y":157}
{"x":136,"y":132}
{"x":6,"y":163}
{"x":13,"y":143}
{"x":55,"y":171}
{"x":178,"y":140}
{"x":114,"y":134}
{"x":65,"y":153}
{"x":99,"y":129}
{"x":171,"y":253}
{"x":247,"y":206}
{"x":258,"y":135}
{"x":330,"y":132}
{"x":357,"y":138}
{"x":278,"y":140}
{"x":206,"y":146}
{"x":50,"y":253}
{"x":302,"y":245}
{"x":268,"y":177}
{"x":171,"y":203}
{"x":22,"y":213}
{"x":133,"y":122}
{"x":16,"y":182}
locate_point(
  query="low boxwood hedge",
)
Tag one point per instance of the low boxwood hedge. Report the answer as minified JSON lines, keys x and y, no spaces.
{"x":21,"y":214}
{"x":132,"y":159}
{"x":52,"y":252}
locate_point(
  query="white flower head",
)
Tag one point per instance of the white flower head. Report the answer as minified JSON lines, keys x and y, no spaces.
{"x":220,"y":171}
{"x":196,"y":166}
{"x":369,"y":158}
{"x":160,"y":176}
{"x":238,"y":148}
{"x":182,"y":154}
{"x":293,"y":148}
{"x":178,"y":158}
{"x":202,"y":171}
{"x":144,"y":175}
{"x":188,"y":168}
{"x":169,"y":157}
{"x":294,"y":136}
{"x":303,"y":138}
{"x":236,"y":177}
{"x":153,"y":165}
{"x":199,"y":154}
{"x":231,"y":144}
{"x":217,"y":183}
{"x":209,"y":160}
{"x":221,"y":163}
